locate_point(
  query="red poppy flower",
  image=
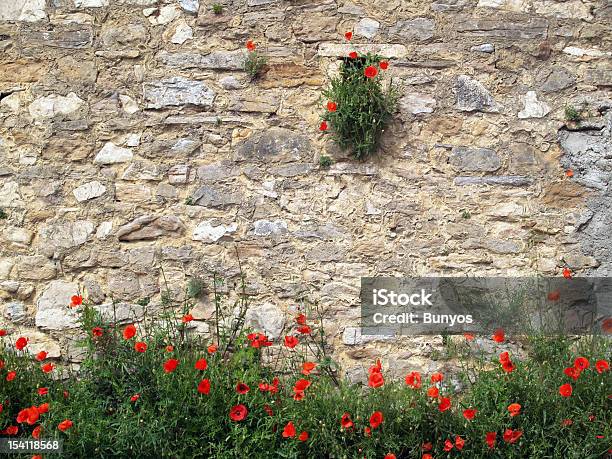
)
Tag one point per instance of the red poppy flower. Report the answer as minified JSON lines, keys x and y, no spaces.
{"x":370,"y":71}
{"x":499,"y":336}
{"x":469,"y":413}
{"x":21,"y":343}
{"x":212,"y":349}
{"x":437,"y":377}
{"x":43,"y":391}
{"x":36,"y":433}
{"x":301,"y":385}
{"x":332,"y":106}
{"x":514,"y":409}
{"x":582,"y":363}
{"x":601,"y":366}
{"x":11,"y":430}
{"x":268,"y":410}
{"x":414,"y":380}
{"x":448,"y":445}
{"x":468,"y":336}
{"x":3,"y":332}
{"x":204,"y":387}
{"x":242,"y":388}
{"x":376,"y":368}
{"x":140,"y":346}
{"x":303,"y":436}
{"x":65,"y":425}
{"x":10,"y":375}
{"x":346,"y":421}
{"x":384,"y":65}
{"x":569,"y":173}
{"x":76,"y":300}
{"x":445,"y":404}
{"x":289,"y":430}
{"x":508,"y":366}
{"x":367,"y":431}
{"x":291,"y":341}
{"x":511,"y":436}
{"x":134,"y":397}
{"x":170,"y":365}
{"x":47,"y":367}
{"x":264,"y":386}
{"x":43,"y":408}
{"x":392,"y":456}
{"x":554,"y":296}
{"x":567,"y":273}
{"x":323,"y":126}
{"x":250,"y":45}
{"x":304,"y":330}
{"x":567,"y":422}
{"x":433,"y":392}
{"x":348,"y":35}
{"x":376,"y":380}
{"x":425,"y":456}
{"x":66,"y":394}
{"x":490,"y":439}
{"x":96,"y":331}
{"x":427,"y":446}
{"x":307,"y":367}
{"x":238,"y":413}
{"x":187,"y":318}
{"x":42,"y":355}
{"x":606,"y":325}
{"x":29,"y":415}
{"x":129,"y":332}
{"x":459,"y":442}
{"x":169,"y":348}
{"x":299,"y":395}
{"x":376,"y":419}
{"x":565,"y":390}
{"x":301,"y":319}
{"x":1,"y":364}
{"x":353,"y":55}
{"x":201,"y":364}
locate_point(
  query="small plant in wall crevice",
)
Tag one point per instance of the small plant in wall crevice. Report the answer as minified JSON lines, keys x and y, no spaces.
{"x":359,"y":105}
{"x":254,"y":62}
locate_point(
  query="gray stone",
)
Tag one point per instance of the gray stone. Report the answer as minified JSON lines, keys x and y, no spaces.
{"x":208,"y":231}
{"x":191,"y":6}
{"x":350,"y":168}
{"x":15,"y":311}
{"x":533,"y":107}
{"x":502,"y":180}
{"x":491,"y":27}
{"x":266,"y":318}
{"x":448,"y":5}
{"x":141,"y":170}
{"x":121,"y":312}
{"x":91,"y":3}
{"x":216,"y":172}
{"x":417,"y":103}
{"x":367,"y":27}
{"x":281,"y":145}
{"x":10,"y":196}
{"x":162,"y":16}
{"x":466,"y":159}
{"x":230,"y":82}
{"x":56,"y":238}
{"x":419,"y":29}
{"x":292,"y":170}
{"x":182,"y":33}
{"x":326,"y":252}
{"x":177,"y":91}
{"x":22,"y":10}
{"x":20,"y":237}
{"x":112,"y":154}
{"x":598,"y":76}
{"x":183,"y":254}
{"x":53,"y":306}
{"x":473,"y":96}
{"x":70,"y":36}
{"x":6,"y":265}
{"x":150,"y":227}
{"x":50,"y":106}
{"x":556,"y":79}
{"x":36,"y":267}
{"x":484,"y":48}
{"x":171,"y":147}
{"x":217,"y":60}
{"x":178,"y":174}
{"x":209,"y":196}
{"x":269,"y":228}
{"x":259,"y":102}
{"x":389,"y":51}
{"x":89,"y":191}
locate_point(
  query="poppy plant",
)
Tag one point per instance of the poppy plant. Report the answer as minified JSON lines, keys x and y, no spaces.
{"x":565,"y":390}
{"x":65,"y":425}
{"x":242,"y":388}
{"x":567,"y":273}
{"x":353,"y":55}
{"x":134,"y":397}
{"x":511,"y":436}
{"x":390,"y":456}
{"x":348,"y":35}
{"x":468,"y":336}
{"x":187,"y":318}
{"x":323,"y":126}
{"x":459,"y":442}
{"x":301,"y":318}
{"x":303,"y":436}
{"x":469,"y":413}
{"x":291,"y":341}
{"x":29,"y":415}
{"x":250,"y":45}
{"x":238,"y":413}
{"x":601,"y":366}
{"x":307,"y":367}
{"x":21,"y":343}
{"x":572,"y":372}
{"x":170,"y":365}
{"x":514,"y":409}
{"x":201,"y":364}
{"x":499,"y":336}
{"x":437,"y":377}
{"x":345,"y":421}
{"x":289,"y":430}
{"x":43,"y":391}
{"x":569,"y":173}
{"x":448,"y":445}
{"x":376,"y":419}
{"x":204,"y":387}
{"x":581,"y":363}
{"x":413,"y":380}
{"x":140,"y":346}
{"x":3,"y":332}
{"x":384,"y":65}
{"x":36,"y":432}
{"x":47,"y":368}
{"x":11,"y":375}
{"x":445,"y":404}
{"x":96,"y":331}
{"x":433,"y":392}
{"x":76,"y":300}
{"x":332,"y":107}
{"x":43,"y":408}
{"x":11,"y":430}
{"x":370,"y":71}
{"x":376,"y":380}
{"x":129,"y":332}
{"x":212,"y":349}
{"x":490,"y":439}
{"x":42,"y":355}
{"x":301,"y":385}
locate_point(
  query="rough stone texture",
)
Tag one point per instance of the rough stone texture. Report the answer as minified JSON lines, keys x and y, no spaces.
{"x":132,"y":142}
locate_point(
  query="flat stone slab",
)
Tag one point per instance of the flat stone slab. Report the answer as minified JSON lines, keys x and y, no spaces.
{"x":503,"y":180}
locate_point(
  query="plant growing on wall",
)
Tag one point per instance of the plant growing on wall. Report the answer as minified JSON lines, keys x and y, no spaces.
{"x":254,"y":62}
{"x":359,"y":105}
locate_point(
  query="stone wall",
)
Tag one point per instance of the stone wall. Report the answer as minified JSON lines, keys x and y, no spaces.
{"x":134,"y":150}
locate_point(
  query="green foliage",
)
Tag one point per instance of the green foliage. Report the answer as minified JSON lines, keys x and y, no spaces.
{"x":195,"y":287}
{"x":3,"y":215}
{"x":254,"y":64}
{"x":325,"y":161}
{"x":189,"y":201}
{"x":572,"y":114}
{"x":364,"y":106}
{"x":171,"y":418}
{"x":466,"y":214}
{"x":217,"y":8}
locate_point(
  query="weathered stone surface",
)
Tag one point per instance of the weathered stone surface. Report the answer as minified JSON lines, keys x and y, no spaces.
{"x":18,"y":237}
{"x":340,"y":50}
{"x":91,"y":3}
{"x":112,"y":154}
{"x":533,"y":107}
{"x":89,"y":191}
{"x":367,"y":28}
{"x":172,"y":147}
{"x":527,"y":29}
{"x":15,"y":311}
{"x":292,"y":170}
{"x":503,"y":180}
{"x":163,"y":15}
{"x":269,"y":228}
{"x":177,"y":91}
{"x":473,"y":96}
{"x":127,"y":286}
{"x":417,"y":103}
{"x":556,"y":79}
{"x":50,"y":106}
{"x":598,"y":76}
{"x":10,"y":196}
{"x":484,"y":48}
{"x":181,"y":34}
{"x":466,"y":159}
{"x":573,"y":9}
{"x":36,"y":267}
{"x":275,"y":143}
{"x":191,"y":6}
{"x":141,"y":170}
{"x":56,"y":238}
{"x":216,"y":172}
{"x":208,"y":231}
{"x":211,"y":196}
{"x":588,"y":52}
{"x":507,"y":5}
{"x":150,"y":227}
{"x":53,"y":306}
{"x":419,"y":29}
{"x":220,"y":60}
{"x":255,"y":102}
{"x":75,"y":36}
{"x":23,"y":10}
